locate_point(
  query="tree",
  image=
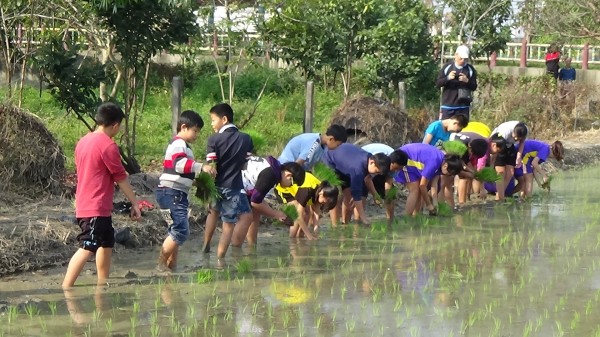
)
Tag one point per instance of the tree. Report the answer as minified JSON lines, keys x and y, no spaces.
{"x":315,"y":35}
{"x":16,"y":25}
{"x":141,"y":29}
{"x":573,"y":20}
{"x":70,"y":80}
{"x":484,"y":22}
{"x":399,"y":47}
{"x":126,"y":34}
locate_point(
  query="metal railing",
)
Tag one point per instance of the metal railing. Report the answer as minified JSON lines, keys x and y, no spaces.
{"x":535,"y":52}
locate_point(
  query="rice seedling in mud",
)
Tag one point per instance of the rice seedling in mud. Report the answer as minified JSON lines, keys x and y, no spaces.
{"x":11,"y":314}
{"x":243,"y":266}
{"x":31,"y":310}
{"x":326,"y":173}
{"x":205,"y":276}
{"x":444,"y":209}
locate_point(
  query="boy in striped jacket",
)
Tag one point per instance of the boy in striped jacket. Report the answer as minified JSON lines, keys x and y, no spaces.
{"x":179,"y":170}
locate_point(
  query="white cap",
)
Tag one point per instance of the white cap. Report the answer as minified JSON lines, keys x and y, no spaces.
{"x":463,"y":52}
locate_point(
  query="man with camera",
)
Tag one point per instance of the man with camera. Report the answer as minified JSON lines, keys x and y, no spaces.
{"x":459,"y":80}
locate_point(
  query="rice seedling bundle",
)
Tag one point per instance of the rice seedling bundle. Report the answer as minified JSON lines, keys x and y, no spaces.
{"x":454,"y":147}
{"x":444,"y":209}
{"x":290,"y":211}
{"x":487,"y":175}
{"x":391,"y":194}
{"x":326,"y":173}
{"x":546,"y":184}
{"x":206,"y":190}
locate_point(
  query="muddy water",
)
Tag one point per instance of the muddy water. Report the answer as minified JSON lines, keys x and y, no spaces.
{"x":516,"y":269}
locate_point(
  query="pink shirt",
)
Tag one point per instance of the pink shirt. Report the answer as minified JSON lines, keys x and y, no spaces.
{"x":98,"y":166}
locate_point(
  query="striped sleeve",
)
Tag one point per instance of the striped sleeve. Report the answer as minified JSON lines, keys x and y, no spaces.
{"x":180,"y":159}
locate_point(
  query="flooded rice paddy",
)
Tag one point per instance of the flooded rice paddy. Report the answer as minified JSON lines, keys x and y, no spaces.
{"x":514,"y":269}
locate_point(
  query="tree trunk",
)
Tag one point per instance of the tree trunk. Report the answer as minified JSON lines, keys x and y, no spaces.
{"x":24,"y":69}
{"x":141,"y":105}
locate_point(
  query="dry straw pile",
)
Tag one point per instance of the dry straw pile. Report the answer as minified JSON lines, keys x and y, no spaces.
{"x":372,"y":120}
{"x":31,"y":160}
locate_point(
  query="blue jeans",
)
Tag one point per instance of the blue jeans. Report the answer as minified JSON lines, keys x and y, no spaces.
{"x":232,"y":204}
{"x":174,"y":206}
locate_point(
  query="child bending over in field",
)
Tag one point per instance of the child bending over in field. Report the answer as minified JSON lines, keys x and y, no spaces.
{"x":310,"y":199}
{"x":534,"y":154}
{"x":424,"y":163}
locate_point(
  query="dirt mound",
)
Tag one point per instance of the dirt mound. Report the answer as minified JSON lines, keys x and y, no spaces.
{"x":31,"y":160}
{"x":369,"y":120}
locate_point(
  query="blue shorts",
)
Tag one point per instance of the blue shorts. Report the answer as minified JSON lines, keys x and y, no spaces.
{"x":491,"y":187}
{"x":232,"y":204}
{"x":174,"y":206}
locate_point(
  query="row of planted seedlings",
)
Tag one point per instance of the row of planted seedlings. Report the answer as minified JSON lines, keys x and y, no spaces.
{"x":547,"y":273}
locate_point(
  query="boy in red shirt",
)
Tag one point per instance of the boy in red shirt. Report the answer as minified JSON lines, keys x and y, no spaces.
{"x":98,"y":166}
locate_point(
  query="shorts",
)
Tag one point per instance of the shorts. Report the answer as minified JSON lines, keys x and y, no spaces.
{"x":448,"y":113}
{"x":345,"y":179}
{"x":491,"y":187}
{"x":232,"y":204}
{"x":174,"y":205}
{"x":379,"y":183}
{"x":508,"y":157}
{"x":96,"y":232}
{"x":407,"y":175}
{"x":529,"y":166}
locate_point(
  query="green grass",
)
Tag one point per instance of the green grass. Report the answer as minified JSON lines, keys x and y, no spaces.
{"x":277,"y":119}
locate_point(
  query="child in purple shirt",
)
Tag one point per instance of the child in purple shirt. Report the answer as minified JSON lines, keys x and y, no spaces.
{"x":534,"y":153}
{"x":425,"y":162}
